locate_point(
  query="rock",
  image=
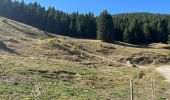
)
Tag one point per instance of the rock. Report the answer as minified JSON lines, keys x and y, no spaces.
{"x":135,"y":66}
{"x":129,"y":63}
{"x":141,"y":74}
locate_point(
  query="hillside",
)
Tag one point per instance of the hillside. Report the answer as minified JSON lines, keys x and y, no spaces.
{"x":25,"y":41}
{"x":39,"y":65}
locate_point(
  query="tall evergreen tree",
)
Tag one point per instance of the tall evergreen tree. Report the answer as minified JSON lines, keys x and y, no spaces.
{"x":162,"y":32}
{"x":127,"y":36}
{"x":72,"y":26}
{"x":146,"y":32}
{"x":135,"y":31}
{"x":105,"y":27}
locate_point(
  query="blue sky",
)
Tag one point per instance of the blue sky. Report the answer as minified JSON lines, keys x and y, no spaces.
{"x":113,"y":6}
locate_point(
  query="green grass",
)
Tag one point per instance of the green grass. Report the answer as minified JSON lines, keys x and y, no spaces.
{"x":43,"y":79}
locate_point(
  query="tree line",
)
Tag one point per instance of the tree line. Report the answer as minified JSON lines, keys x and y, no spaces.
{"x":132,"y":28}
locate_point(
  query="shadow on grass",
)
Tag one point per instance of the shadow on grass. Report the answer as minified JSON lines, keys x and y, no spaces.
{"x":5,"y":48}
{"x":132,"y":45}
{"x":33,"y":35}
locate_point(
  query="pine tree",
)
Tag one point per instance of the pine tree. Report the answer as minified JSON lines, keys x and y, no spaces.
{"x":51,"y":20}
{"x":105,"y":27}
{"x":72,"y":26}
{"x":127,"y":36}
{"x":147,"y":34}
{"x":162,"y":32}
{"x":135,"y":31}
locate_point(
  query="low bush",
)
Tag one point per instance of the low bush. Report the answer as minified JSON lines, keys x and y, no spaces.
{"x":4,"y":21}
{"x":50,"y":42}
{"x":75,"y":49}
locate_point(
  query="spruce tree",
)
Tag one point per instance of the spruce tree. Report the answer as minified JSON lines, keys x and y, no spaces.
{"x":105,"y":27}
{"x":146,"y":32}
{"x":162,"y":32}
{"x":127,"y":36}
{"x":135,"y":31}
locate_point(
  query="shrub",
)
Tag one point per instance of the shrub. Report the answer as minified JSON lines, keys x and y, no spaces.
{"x":50,"y":42}
{"x":4,"y":21}
{"x":63,"y":37}
{"x":75,"y":48}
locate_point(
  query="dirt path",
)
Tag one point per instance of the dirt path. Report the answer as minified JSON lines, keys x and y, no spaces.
{"x":165,"y":70}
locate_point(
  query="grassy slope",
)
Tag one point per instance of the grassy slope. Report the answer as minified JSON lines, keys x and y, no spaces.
{"x":31,"y":68}
{"x":47,"y":79}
